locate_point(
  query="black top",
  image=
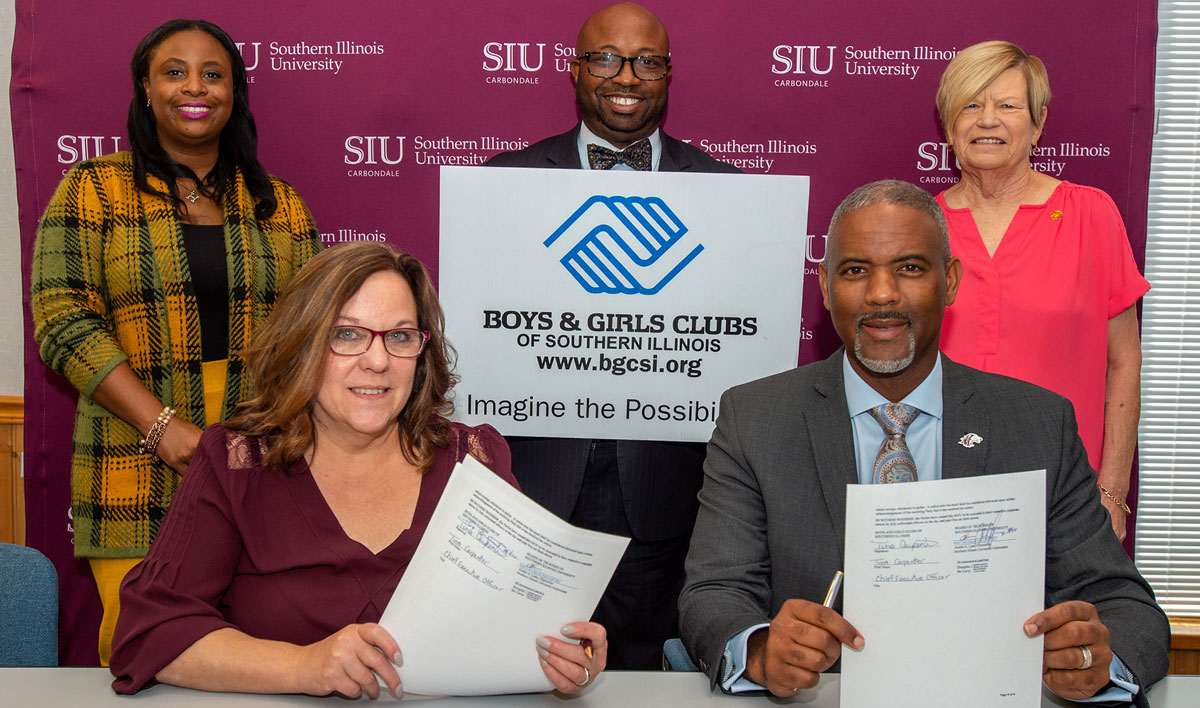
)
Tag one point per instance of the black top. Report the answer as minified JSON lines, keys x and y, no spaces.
{"x":204,"y":246}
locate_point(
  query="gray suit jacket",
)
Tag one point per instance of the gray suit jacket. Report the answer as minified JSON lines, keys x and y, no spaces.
{"x":771,"y":524}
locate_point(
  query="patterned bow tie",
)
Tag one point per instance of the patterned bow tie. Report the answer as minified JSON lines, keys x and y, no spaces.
{"x":636,"y":156}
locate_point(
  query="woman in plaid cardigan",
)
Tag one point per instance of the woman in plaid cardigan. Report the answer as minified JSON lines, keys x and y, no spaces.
{"x":146,"y":262}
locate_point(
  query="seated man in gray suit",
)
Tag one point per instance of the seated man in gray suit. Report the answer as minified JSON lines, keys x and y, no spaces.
{"x":638,"y":488}
{"x":770,"y":530}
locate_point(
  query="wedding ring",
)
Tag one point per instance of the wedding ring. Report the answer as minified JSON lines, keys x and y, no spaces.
{"x":587,"y":678}
{"x":1087,"y":658}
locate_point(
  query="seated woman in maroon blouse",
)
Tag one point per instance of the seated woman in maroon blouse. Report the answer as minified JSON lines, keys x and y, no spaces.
{"x":297,"y":518}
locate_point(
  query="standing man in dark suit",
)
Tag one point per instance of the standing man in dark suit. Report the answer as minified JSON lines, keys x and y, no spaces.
{"x":770,"y":531}
{"x":645,"y":490}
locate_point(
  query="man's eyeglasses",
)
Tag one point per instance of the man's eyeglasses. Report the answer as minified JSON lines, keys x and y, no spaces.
{"x":403,"y":342}
{"x":606,"y":65}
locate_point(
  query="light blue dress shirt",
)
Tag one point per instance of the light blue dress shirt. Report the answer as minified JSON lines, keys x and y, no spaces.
{"x":588,"y":137}
{"x":924,"y":438}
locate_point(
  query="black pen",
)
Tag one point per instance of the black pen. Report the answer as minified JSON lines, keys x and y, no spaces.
{"x":835,"y":586}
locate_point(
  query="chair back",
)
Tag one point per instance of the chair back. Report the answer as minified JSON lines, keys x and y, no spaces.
{"x":675,"y":657}
{"x":28,"y":608}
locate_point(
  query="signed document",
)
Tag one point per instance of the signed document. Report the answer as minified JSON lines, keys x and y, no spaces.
{"x":940,"y":578}
{"x":493,"y":572}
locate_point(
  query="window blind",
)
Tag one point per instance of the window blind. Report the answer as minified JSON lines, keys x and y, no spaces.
{"x":1168,"y":521}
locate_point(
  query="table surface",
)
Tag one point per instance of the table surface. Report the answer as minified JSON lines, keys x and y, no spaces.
{"x":35,"y":687}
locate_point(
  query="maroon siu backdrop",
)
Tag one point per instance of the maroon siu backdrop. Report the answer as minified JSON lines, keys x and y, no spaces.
{"x":358,"y":104}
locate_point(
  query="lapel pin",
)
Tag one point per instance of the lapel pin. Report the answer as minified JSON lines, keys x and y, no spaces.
{"x":970,"y":440}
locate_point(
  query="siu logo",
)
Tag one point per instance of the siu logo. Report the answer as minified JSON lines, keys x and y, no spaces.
{"x":374,"y":149}
{"x":513,"y":56}
{"x":802,"y":59}
{"x":76,"y":148}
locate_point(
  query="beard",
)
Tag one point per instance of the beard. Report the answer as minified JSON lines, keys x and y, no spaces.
{"x":885,"y":366}
{"x":619,"y":128}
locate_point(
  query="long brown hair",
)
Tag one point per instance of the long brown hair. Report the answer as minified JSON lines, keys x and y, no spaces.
{"x":286,"y":359}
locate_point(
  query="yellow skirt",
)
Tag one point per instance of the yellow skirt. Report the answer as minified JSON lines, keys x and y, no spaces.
{"x":109,"y":572}
{"x":213,"y":375}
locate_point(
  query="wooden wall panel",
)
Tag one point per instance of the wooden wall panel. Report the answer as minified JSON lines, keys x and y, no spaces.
{"x":12,"y":487}
{"x":1185,"y":645}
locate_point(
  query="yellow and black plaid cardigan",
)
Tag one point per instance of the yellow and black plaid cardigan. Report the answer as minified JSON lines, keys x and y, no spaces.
{"x":111,"y":284}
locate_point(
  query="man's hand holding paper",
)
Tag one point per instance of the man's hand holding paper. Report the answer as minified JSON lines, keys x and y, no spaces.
{"x":1067,"y":668}
{"x":804,"y":640}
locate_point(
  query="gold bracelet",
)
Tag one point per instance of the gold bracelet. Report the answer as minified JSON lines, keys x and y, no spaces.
{"x":1119,"y":502}
{"x":154,"y":436}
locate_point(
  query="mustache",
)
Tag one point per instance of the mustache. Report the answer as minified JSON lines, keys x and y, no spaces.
{"x":883,"y":315}
{"x":610,"y":86}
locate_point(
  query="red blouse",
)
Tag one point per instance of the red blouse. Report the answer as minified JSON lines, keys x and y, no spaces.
{"x":1038,"y":309}
{"x":262,"y":552}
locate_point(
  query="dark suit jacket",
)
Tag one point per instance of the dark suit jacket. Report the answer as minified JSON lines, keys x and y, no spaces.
{"x":659,"y":480}
{"x":772,"y":511}
{"x":562,"y":151}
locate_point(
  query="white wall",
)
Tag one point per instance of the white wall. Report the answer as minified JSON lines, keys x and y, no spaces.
{"x":12,"y":336}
